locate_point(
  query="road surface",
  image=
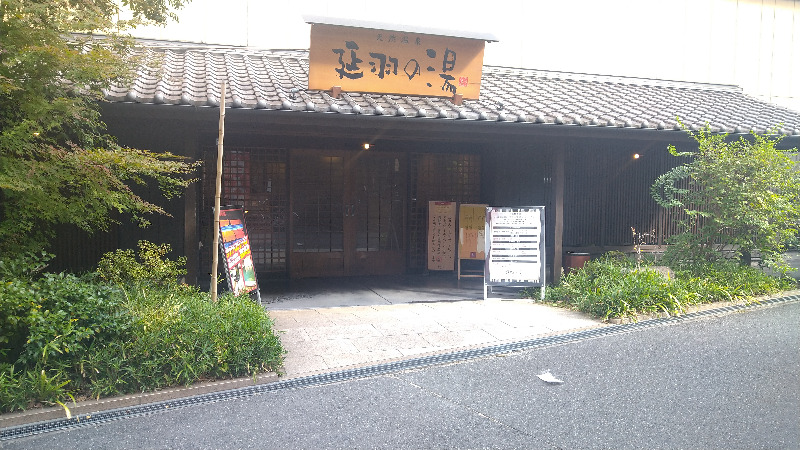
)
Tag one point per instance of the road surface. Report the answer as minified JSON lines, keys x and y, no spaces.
{"x":728,"y":381}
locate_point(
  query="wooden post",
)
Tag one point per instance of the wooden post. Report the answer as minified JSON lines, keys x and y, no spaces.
{"x":191,"y":249}
{"x":558,"y":191}
{"x":218,"y":193}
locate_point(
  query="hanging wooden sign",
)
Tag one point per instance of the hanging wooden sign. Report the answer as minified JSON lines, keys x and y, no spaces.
{"x":380,"y":60}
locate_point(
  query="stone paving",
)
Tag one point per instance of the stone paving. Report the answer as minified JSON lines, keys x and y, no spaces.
{"x":325,"y":339}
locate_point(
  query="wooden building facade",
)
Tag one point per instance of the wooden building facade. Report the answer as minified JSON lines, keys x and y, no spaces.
{"x":320,"y":204}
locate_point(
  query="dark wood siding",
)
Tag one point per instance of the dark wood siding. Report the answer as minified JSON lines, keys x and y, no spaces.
{"x":607,"y":193}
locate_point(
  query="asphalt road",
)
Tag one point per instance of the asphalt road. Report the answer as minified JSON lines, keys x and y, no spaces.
{"x":731,"y":381}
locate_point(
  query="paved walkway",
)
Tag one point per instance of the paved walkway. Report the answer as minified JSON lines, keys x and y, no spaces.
{"x":333,"y":324}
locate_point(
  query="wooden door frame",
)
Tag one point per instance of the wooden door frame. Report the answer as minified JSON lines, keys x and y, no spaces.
{"x":353,"y":262}
{"x":386,"y":261}
{"x":299,"y":261}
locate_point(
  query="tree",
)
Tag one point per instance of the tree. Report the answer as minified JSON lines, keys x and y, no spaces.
{"x":57,"y":163}
{"x":742,"y":195}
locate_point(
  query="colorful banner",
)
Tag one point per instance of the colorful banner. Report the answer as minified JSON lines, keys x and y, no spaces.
{"x":235,"y":246}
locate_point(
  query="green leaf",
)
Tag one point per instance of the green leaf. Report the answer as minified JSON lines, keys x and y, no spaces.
{"x":57,"y":164}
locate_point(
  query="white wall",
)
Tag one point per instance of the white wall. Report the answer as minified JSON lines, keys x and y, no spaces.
{"x":751,"y":43}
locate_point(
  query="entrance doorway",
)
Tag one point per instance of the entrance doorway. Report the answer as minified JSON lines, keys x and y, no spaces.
{"x":347,"y":213}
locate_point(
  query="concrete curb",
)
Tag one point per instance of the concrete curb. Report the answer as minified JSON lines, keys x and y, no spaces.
{"x":124,"y":401}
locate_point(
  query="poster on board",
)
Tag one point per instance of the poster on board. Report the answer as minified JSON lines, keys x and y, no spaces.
{"x":471,"y":240}
{"x":515,"y":247}
{"x":441,"y":235}
{"x":471,"y":231}
{"x":235,"y":247}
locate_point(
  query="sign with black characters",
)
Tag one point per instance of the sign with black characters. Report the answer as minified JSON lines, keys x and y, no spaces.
{"x":441,"y":235}
{"x":389,"y":61}
{"x":515,"y":250}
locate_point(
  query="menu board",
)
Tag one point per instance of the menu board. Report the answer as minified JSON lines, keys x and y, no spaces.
{"x":515,"y":247}
{"x":441,"y":235}
{"x":235,"y":246}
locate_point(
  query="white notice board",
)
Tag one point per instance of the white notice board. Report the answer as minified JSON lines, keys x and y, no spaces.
{"x":514,"y":247}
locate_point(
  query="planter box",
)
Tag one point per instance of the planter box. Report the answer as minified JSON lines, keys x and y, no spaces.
{"x":575,"y":261}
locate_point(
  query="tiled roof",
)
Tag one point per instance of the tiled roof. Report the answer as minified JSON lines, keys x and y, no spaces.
{"x":186,"y":74}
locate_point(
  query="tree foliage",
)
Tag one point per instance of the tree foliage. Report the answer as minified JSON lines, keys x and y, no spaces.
{"x":57,"y":163}
{"x":742,"y":195}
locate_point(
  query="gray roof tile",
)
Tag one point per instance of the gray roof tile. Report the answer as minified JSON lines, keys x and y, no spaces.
{"x":185,"y":74}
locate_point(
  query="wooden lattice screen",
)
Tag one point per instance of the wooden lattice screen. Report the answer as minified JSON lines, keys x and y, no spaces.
{"x":443,"y":177}
{"x":255,"y":178}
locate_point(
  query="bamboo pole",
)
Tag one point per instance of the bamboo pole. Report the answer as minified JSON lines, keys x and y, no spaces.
{"x":217,"y":194}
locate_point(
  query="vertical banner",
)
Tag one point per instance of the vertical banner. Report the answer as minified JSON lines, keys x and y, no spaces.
{"x":235,"y":246}
{"x":515,"y":247}
{"x":441,"y":235}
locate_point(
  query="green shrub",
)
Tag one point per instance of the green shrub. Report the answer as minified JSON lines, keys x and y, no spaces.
{"x":728,"y":280}
{"x":69,"y":314}
{"x":24,"y":266}
{"x":183,"y":337}
{"x":149,"y":265}
{"x":614,"y":286}
{"x":743,"y":194}
{"x":64,"y":335}
{"x":22,"y":390}
{"x":17,"y":297}
{"x":55,"y":314}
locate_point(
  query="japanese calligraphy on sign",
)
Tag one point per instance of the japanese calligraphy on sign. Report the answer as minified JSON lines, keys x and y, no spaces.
{"x":384,"y":61}
{"x":441,"y":235}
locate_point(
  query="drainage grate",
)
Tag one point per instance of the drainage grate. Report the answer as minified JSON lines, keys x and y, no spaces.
{"x":371,"y":371}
